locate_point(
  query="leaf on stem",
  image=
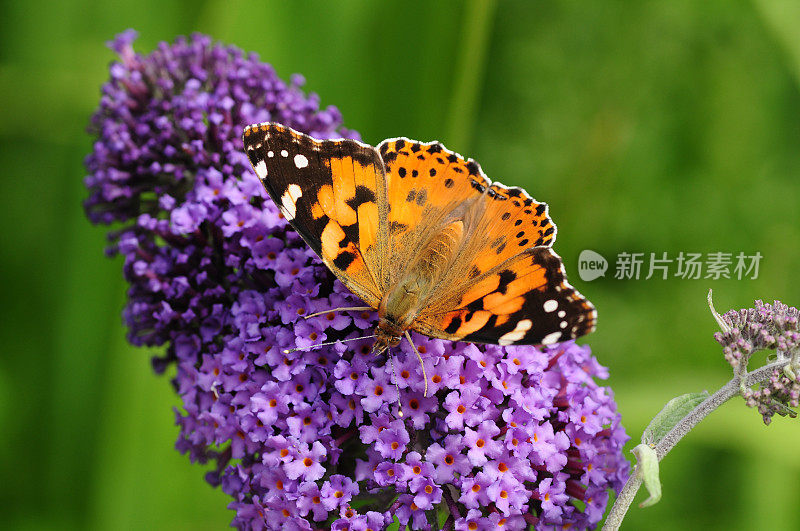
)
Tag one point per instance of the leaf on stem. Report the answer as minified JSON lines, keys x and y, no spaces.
{"x":672,"y":413}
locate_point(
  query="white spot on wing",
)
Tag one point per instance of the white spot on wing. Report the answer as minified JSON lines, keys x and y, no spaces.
{"x":562,"y":313}
{"x":550,"y":306}
{"x":289,"y":201}
{"x":270,"y":154}
{"x":516,"y":334}
{"x":300,"y":161}
{"x":261,"y":169}
{"x":549,"y":339}
{"x":284,"y":153}
{"x":563,"y":324}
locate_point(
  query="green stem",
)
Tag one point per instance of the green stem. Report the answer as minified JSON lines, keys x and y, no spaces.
{"x":728,"y":391}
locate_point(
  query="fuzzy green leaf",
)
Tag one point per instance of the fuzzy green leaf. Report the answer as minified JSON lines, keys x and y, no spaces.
{"x":670,"y":415}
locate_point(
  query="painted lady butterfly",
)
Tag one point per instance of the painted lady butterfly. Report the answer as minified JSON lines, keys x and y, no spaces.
{"x":422,"y":236}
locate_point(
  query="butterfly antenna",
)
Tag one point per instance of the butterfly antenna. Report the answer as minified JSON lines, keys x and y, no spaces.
{"x":352,"y":308}
{"x":394,"y":374}
{"x":421,"y":364}
{"x":290,"y":350}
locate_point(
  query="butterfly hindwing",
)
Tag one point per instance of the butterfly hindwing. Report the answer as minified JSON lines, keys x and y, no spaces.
{"x":333,"y":193}
{"x":524,"y":301}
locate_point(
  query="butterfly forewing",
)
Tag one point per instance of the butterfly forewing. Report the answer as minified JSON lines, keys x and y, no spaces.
{"x":332,"y":192}
{"x":423,"y":195}
{"x":431,"y":186}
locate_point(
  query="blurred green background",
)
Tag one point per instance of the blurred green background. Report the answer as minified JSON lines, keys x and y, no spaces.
{"x":647,"y":127}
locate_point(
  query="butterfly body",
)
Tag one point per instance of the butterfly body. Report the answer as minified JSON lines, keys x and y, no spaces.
{"x":407,"y":298}
{"x":422,"y":236}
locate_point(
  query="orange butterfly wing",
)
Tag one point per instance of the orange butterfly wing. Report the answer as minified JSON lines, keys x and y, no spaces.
{"x":525,"y":300}
{"x":333,"y":192}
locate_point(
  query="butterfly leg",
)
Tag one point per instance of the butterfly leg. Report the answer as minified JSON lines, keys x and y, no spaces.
{"x":421,"y":364}
{"x":352,"y":308}
{"x":396,"y":387}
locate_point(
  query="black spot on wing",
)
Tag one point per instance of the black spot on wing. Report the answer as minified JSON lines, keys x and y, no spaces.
{"x":506,"y":277}
{"x":435,"y":148}
{"x":479,"y":186}
{"x":350,"y":235}
{"x":344,"y":260}
{"x":388,"y":158}
{"x":453,"y":326}
{"x":362,"y":195}
{"x":475,"y":305}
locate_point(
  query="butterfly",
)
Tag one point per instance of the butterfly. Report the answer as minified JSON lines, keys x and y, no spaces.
{"x":421,"y":235}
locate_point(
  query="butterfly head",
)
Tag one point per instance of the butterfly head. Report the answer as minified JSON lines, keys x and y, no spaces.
{"x":387,"y":334}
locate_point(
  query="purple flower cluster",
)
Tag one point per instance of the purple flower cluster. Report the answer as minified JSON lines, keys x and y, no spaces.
{"x":312,"y":439}
{"x":766,"y":327}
